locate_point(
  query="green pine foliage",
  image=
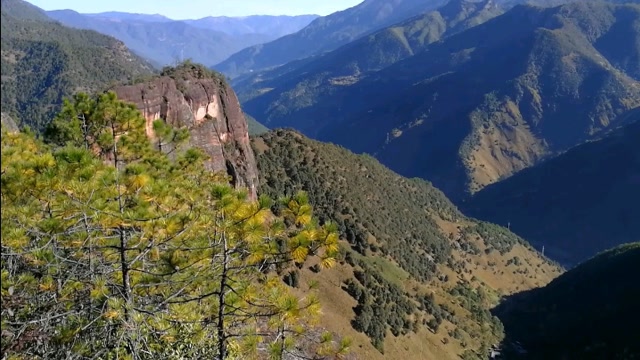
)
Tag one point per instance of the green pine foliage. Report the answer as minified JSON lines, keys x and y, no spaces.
{"x":113,"y":249}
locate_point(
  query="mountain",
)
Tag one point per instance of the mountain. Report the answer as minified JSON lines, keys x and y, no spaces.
{"x":255,"y":128}
{"x":23,"y":10}
{"x":273,"y":26}
{"x":123,"y":16}
{"x":417,"y":278}
{"x":325,"y":34}
{"x":193,"y":97}
{"x":163,"y":42}
{"x":321,"y":75}
{"x":575,"y":205}
{"x":67,"y":60}
{"x":483,"y":104}
{"x":587,"y":313}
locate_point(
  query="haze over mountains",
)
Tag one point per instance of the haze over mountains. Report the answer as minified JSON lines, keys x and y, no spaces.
{"x":164,"y":41}
{"x":501,"y":141}
{"x":271,"y":26}
{"x":325,"y":34}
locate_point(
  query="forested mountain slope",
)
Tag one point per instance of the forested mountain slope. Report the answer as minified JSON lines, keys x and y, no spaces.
{"x":67,"y":60}
{"x":298,"y":82}
{"x":325,"y":34}
{"x":418,"y":277}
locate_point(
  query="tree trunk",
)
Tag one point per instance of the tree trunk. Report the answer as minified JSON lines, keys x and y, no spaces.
{"x":222,"y":336}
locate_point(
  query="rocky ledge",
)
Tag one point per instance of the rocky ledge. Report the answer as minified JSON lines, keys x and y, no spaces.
{"x":193,"y":96}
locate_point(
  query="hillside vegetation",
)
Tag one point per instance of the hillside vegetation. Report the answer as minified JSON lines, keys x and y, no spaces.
{"x":577,"y":204}
{"x":417,"y":277}
{"x":586,"y":313}
{"x":66,"y":60}
{"x":482,"y":104}
{"x":255,"y":128}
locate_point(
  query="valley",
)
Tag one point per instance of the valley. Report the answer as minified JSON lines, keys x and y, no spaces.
{"x":405,"y":179}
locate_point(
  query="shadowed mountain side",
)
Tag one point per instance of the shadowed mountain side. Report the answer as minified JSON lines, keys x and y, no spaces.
{"x":575,"y":205}
{"x":485,"y":103}
{"x":587,"y":313}
{"x":294,"y":84}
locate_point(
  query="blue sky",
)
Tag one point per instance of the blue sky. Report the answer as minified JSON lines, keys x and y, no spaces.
{"x":193,"y":9}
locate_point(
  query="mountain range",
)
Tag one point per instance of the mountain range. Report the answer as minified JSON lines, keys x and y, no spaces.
{"x":500,"y":144}
{"x":272,"y":26}
{"x":479,"y":105}
{"x":165,"y":41}
{"x":308,"y":77}
{"x":325,"y":34}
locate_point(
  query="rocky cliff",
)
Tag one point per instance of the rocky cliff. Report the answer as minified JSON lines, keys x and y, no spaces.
{"x":201,"y":100}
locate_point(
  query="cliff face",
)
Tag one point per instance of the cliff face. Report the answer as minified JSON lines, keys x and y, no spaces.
{"x":209,"y":108}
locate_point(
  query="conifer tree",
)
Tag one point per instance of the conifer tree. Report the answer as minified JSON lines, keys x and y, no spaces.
{"x":111,"y":248}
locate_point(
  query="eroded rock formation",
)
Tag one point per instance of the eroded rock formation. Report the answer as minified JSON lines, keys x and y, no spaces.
{"x":209,"y":108}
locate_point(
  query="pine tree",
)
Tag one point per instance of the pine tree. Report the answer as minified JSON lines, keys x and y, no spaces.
{"x":114,"y":248}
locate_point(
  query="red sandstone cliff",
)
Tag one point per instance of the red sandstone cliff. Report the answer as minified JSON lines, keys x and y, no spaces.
{"x":203,"y":102}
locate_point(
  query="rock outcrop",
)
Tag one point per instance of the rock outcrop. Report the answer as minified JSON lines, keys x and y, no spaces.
{"x":8,"y":123}
{"x":201,"y":100}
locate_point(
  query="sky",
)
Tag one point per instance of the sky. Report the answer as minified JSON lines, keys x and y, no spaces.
{"x":195,"y":9}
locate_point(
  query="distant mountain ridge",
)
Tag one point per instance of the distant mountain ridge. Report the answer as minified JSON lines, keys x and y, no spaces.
{"x":271,"y":26}
{"x":163,"y":42}
{"x":274,"y":26}
{"x":124,"y":16}
{"x":325,"y":34}
{"x":482,"y":104}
